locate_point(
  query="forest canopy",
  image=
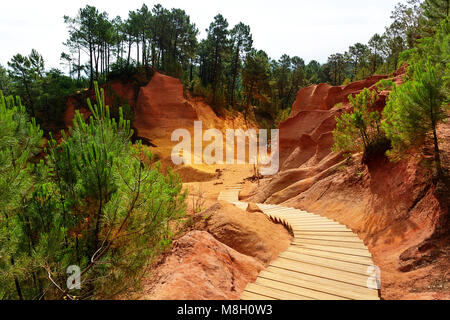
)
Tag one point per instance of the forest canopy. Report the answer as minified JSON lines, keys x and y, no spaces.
{"x":100,"y":47}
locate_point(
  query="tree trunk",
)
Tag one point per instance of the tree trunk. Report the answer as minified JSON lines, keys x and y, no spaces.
{"x":129,"y":51}
{"x":79,"y":65}
{"x":91,"y":65}
{"x":375,"y":62}
{"x":27,"y":89}
{"x":236,"y":61}
{"x":137,"y":51}
{"x":143,"y":50}
{"x":437,"y":157}
{"x":249,"y":93}
{"x":16,"y":283}
{"x":216,"y":76}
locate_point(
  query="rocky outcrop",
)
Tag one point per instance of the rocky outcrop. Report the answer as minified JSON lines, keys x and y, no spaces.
{"x":246,"y":232}
{"x":324,"y":96}
{"x":201,"y":268}
{"x":161,"y":108}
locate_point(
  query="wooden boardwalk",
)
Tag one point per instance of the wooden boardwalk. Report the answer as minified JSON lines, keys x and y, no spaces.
{"x":325,"y":261}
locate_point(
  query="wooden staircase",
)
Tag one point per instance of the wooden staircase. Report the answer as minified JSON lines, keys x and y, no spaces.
{"x":325,"y":261}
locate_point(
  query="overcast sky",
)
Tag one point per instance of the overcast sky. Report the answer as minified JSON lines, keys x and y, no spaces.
{"x":311,"y":29}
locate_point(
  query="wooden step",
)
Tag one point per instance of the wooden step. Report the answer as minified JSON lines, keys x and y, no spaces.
{"x":330,"y":243}
{"x":343,"y":234}
{"x":310,"y":228}
{"x":333,"y":291}
{"x":351,"y":251}
{"x":326,"y":262}
{"x":320,"y":271}
{"x":353,"y":239}
{"x":331,"y":255}
{"x":246,"y":295}
{"x":295,"y":289}
{"x":274,"y":293}
{"x":345,"y":289}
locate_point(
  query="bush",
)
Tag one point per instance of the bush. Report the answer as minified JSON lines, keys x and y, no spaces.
{"x":359,"y":129}
{"x":385,"y":84}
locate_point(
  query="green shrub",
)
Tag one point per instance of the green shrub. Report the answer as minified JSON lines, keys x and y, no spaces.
{"x":359,"y":129}
{"x":385,"y":84}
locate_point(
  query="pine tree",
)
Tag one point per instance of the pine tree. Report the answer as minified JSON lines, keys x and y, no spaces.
{"x":242,"y":43}
{"x":20,"y":140}
{"x":218,"y":42}
{"x":255,"y":76}
{"x":413,"y":111}
{"x":436,"y":10}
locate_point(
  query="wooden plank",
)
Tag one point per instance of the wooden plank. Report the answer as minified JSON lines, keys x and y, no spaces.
{"x":345,"y":289}
{"x":353,"y":239}
{"x":276,"y":210}
{"x":312,"y":221}
{"x":278,"y":207}
{"x":290,"y":212}
{"x":343,"y":234}
{"x":341,"y":244}
{"x":246,"y":295}
{"x":352,"y":251}
{"x":332,"y":291}
{"x":274,"y":293}
{"x":332,"y":255}
{"x":297,"y":228}
{"x":326,"y":262}
{"x":330,"y":224}
{"x":293,"y":217}
{"x":296,"y":287}
{"x":320,"y":271}
{"x":290,"y":287}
